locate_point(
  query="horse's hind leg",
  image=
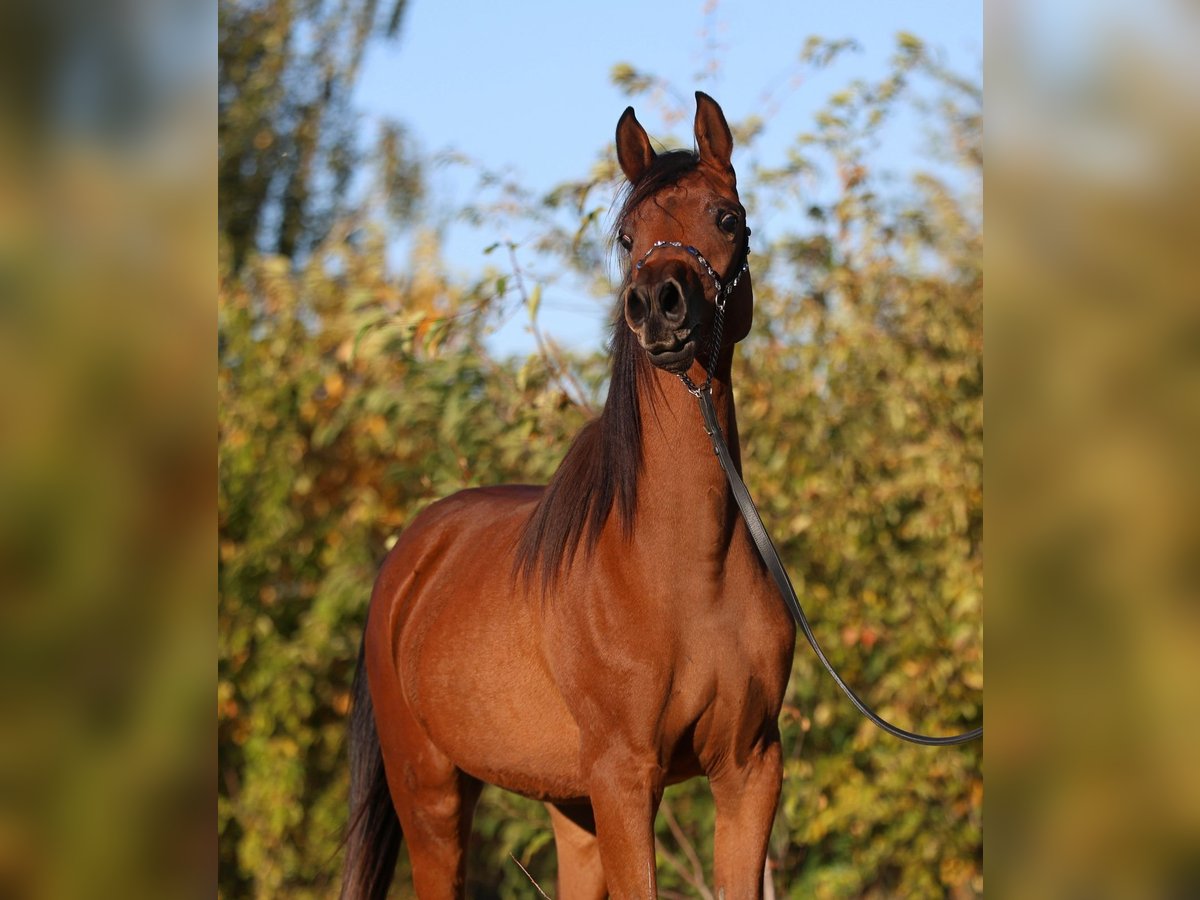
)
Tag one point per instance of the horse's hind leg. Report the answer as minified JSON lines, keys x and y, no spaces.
{"x":435,"y":802}
{"x":434,"y":799}
{"x":580,"y":874}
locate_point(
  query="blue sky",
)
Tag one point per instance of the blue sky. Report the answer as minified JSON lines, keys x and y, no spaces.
{"x":526,"y":87}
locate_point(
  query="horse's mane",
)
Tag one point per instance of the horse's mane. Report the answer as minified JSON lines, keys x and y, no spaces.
{"x":601,"y":467}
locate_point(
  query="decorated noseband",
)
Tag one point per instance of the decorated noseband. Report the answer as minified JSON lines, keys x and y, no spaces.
{"x":721,"y":297}
{"x":722,"y":292}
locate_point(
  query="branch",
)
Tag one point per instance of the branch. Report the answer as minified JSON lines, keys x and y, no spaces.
{"x":527,"y":875}
{"x":696,"y":877}
{"x":560,"y":372}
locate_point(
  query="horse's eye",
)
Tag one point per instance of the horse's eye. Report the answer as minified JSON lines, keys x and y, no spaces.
{"x":626,"y":241}
{"x":727,"y":222}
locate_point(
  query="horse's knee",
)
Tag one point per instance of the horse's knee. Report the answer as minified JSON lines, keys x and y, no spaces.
{"x":754,"y":775}
{"x":619,"y":771}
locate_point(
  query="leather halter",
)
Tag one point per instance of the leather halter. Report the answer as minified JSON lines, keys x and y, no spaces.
{"x":720,"y":297}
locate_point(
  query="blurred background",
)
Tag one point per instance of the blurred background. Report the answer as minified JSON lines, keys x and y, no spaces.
{"x":413,"y":277}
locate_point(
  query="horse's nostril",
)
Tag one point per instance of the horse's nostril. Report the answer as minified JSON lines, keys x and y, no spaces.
{"x":670,"y":301}
{"x":636,"y":306}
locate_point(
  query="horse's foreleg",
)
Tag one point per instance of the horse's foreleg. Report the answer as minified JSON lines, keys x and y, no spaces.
{"x":746,"y":796}
{"x":625,"y":792}
{"x":580,"y":873}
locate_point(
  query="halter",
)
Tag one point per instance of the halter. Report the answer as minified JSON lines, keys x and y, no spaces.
{"x":723,"y":292}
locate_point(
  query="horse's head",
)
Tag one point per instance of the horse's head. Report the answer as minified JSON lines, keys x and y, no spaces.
{"x":685,"y":234}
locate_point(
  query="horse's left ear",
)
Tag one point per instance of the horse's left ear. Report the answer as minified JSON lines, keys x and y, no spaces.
{"x":713,"y":137}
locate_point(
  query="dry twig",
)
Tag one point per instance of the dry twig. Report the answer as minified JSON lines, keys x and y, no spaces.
{"x":530,"y":877}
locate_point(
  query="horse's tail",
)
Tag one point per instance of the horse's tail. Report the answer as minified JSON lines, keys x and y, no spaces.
{"x":373,"y":836}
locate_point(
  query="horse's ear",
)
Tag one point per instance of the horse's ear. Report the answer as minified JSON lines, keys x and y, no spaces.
{"x":713,"y":137}
{"x":634,"y":152}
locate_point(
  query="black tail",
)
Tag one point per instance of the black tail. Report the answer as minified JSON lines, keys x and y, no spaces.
{"x":373,"y":837}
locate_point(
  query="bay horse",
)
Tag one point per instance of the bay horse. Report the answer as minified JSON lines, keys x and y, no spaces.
{"x":590,"y":642}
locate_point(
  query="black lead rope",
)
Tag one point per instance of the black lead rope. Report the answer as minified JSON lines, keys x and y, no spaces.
{"x":770,"y":555}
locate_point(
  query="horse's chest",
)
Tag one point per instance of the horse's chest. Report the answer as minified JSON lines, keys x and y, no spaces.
{"x":733,"y":666}
{"x":723,"y":701}
{"x":675,"y":656}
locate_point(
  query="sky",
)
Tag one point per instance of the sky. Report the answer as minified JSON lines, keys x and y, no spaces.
{"x":525,"y":87}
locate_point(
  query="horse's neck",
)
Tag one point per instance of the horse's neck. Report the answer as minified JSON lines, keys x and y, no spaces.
{"x":682,"y":489}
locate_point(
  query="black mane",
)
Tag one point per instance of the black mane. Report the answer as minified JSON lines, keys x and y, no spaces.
{"x":602,"y":465}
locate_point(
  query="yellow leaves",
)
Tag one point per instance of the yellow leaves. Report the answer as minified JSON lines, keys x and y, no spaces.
{"x":227,"y":705}
{"x":376,"y":426}
{"x":823,"y":715}
{"x":909,"y":41}
{"x":621,"y":72}
{"x":335,"y":386}
{"x":428,"y":335}
{"x":534,"y":302}
{"x":800,"y":523}
{"x":341,"y":703}
{"x":286,"y":747}
{"x":957,"y":873}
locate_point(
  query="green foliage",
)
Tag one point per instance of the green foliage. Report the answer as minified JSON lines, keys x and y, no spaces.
{"x":351,"y":398}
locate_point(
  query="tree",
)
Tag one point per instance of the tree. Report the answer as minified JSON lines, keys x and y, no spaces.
{"x":287,"y":135}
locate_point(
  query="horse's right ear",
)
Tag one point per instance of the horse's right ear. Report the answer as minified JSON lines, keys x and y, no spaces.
{"x":634,"y":152}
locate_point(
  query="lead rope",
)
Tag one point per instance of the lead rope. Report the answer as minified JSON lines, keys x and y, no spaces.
{"x":770,"y":556}
{"x":754,"y":522}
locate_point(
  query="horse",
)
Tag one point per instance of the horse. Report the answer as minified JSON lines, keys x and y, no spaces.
{"x":590,"y":642}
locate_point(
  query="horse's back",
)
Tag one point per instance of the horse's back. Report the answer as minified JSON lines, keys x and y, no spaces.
{"x":461,"y":637}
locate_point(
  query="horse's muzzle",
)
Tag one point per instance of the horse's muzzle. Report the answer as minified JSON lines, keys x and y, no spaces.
{"x":659,"y":311}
